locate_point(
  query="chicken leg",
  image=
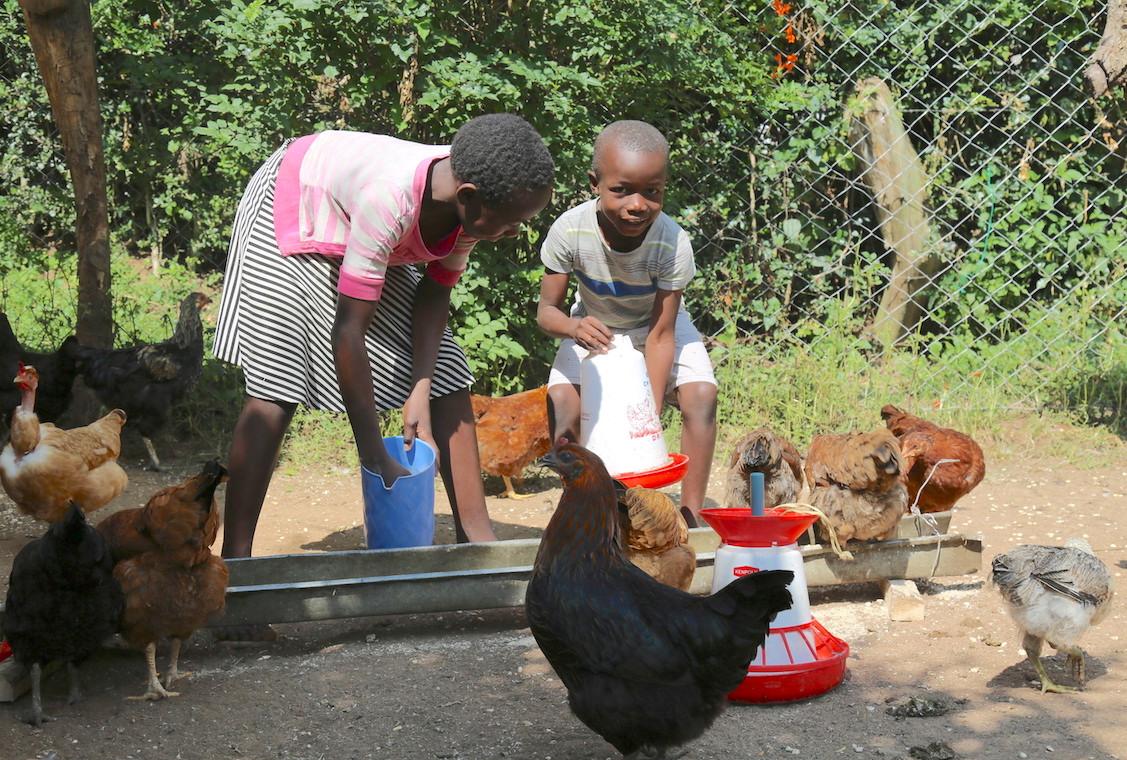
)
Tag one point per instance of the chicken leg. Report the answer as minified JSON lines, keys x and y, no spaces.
{"x":155,"y":691}
{"x":173,"y":673}
{"x":37,"y":716}
{"x":75,"y":692}
{"x":511,"y":490}
{"x":1032,"y":645}
{"x":1075,"y":661}
{"x":153,"y":465}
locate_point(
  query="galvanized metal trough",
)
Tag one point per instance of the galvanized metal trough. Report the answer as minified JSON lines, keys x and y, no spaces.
{"x":306,"y":587}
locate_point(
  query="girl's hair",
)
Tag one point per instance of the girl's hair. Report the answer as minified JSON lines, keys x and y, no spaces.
{"x":503,"y":155}
{"x":629,"y":135}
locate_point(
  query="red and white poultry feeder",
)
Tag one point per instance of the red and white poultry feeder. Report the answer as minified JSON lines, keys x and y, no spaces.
{"x":619,"y":420}
{"x":800,"y":658}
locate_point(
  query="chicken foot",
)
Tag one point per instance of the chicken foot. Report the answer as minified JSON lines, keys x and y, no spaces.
{"x":37,"y":716}
{"x":1075,"y":661}
{"x":1032,"y":645}
{"x":155,"y":691}
{"x":511,"y":490}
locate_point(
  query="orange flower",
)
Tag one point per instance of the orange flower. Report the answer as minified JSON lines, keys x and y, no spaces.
{"x":784,"y":64}
{"x":780,"y":7}
{"x":791,"y":36}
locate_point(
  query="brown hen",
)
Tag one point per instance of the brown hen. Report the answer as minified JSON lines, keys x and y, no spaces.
{"x":941,"y":465}
{"x":44,"y":468}
{"x":655,"y":535}
{"x":512,"y":433}
{"x":854,"y":479}
{"x":763,"y":451}
{"x":173,"y":520}
{"x":173,"y":587}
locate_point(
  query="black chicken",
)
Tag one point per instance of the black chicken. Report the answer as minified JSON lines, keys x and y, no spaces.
{"x":646,"y":666}
{"x":147,"y":380}
{"x":63,"y":602}
{"x":57,"y":371}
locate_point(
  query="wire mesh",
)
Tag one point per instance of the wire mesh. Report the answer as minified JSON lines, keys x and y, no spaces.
{"x":930,"y":176}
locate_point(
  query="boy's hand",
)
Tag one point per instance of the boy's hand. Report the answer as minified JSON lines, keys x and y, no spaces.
{"x":593,"y":335}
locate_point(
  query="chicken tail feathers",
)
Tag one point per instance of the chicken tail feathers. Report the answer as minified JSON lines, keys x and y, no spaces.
{"x":753,"y":600}
{"x":744,"y":609}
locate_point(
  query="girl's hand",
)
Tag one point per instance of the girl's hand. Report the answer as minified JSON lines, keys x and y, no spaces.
{"x":384,"y":465}
{"x":593,"y":335}
{"x":416,"y":418}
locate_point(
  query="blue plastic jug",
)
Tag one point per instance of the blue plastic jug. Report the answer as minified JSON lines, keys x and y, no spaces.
{"x":403,"y":515}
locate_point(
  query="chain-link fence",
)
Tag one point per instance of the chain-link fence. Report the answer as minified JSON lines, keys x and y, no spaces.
{"x":931,"y":176}
{"x":954,"y":144}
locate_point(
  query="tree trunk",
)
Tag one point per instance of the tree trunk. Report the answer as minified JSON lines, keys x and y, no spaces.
{"x":1108,"y":65}
{"x":895,"y":175}
{"x":62,"y":38}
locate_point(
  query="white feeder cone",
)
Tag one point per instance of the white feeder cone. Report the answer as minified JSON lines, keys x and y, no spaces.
{"x":618,"y":419}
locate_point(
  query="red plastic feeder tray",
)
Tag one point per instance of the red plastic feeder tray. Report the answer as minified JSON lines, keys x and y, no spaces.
{"x":782,"y":671}
{"x":665,"y":475}
{"x":775,"y":527}
{"x":800,"y":659}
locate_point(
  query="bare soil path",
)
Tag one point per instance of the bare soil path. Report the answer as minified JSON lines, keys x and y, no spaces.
{"x":474,"y":685}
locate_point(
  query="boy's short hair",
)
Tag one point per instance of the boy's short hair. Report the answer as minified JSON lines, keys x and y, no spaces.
{"x":502,"y":155}
{"x":631,"y":135}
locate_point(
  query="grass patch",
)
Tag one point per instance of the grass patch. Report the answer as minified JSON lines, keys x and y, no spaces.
{"x":998,"y":393}
{"x":806,"y":391}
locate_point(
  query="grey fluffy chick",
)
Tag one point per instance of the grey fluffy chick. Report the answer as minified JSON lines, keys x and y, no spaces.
{"x":1054,"y":593}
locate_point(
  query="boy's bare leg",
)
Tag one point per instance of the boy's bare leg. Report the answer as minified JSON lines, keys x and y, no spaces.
{"x":698,"y":443}
{"x":455,"y":433}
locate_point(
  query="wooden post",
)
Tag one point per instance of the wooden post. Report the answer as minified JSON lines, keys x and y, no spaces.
{"x":895,"y":175}
{"x":62,"y":38}
{"x":1107,"y":68}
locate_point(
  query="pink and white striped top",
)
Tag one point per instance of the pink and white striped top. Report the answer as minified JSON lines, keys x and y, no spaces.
{"x":358,"y":196}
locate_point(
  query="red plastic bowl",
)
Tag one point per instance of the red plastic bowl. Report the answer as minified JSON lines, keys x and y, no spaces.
{"x":776,"y":527}
{"x":662,"y":476}
{"x":785,"y":682}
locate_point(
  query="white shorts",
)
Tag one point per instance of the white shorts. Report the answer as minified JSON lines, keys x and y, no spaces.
{"x":690,"y":358}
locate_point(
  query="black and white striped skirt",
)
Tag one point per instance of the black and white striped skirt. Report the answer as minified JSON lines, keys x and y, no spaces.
{"x":276,"y":316}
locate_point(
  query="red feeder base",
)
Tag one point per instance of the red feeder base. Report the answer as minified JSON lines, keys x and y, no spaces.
{"x":795,"y":663}
{"x":666,"y":475}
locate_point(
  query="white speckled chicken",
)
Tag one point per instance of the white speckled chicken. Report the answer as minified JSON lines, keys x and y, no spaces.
{"x":1054,"y":593}
{"x":854,"y":479}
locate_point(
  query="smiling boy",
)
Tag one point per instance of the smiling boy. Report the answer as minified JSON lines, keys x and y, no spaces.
{"x":631,"y":262}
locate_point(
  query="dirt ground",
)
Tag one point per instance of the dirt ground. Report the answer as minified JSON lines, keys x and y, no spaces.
{"x":473,"y":684}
